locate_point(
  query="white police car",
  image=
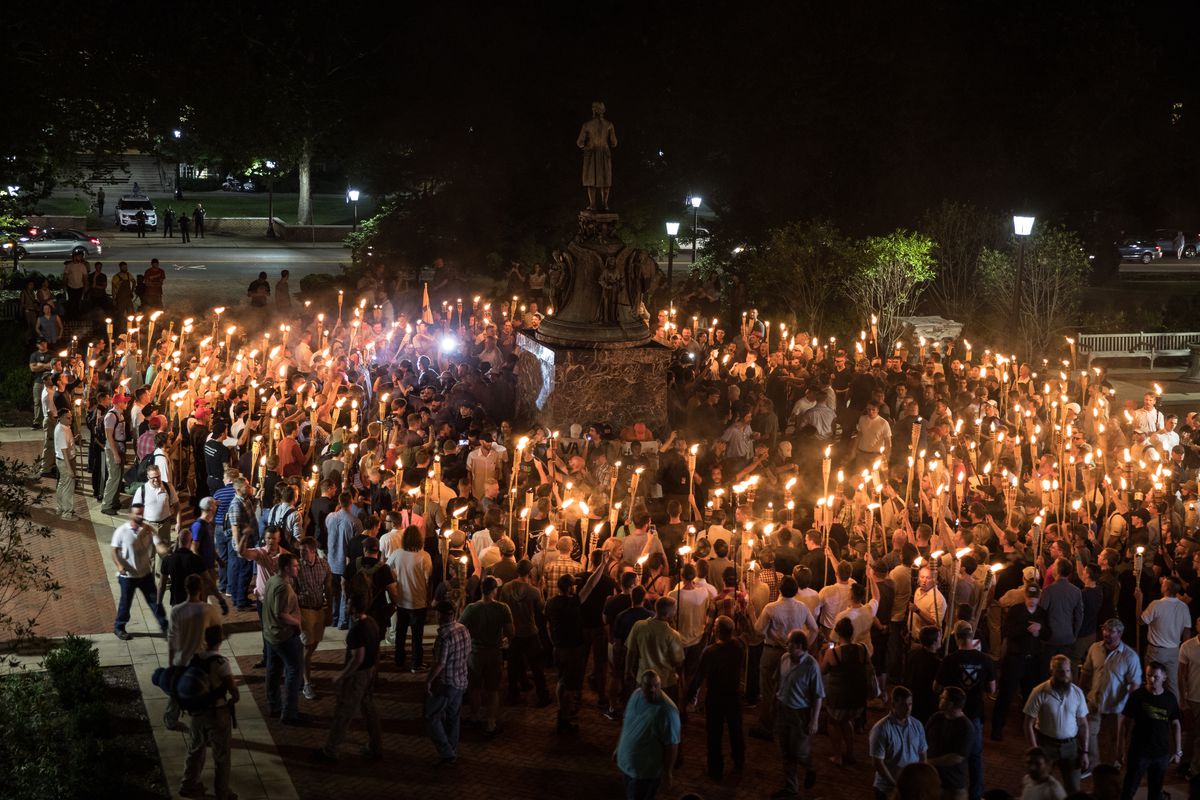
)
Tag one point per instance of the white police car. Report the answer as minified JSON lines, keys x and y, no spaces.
{"x":127,"y":209}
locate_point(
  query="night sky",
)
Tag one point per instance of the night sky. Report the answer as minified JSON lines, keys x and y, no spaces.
{"x":866,"y":113}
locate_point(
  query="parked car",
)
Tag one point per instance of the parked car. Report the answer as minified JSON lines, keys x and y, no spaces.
{"x":1142,"y":250}
{"x":1165,"y":238}
{"x":55,"y":242}
{"x":127,"y":208}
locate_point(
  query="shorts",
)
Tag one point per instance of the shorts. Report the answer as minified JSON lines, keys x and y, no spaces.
{"x":484,"y":668}
{"x":312,"y":626}
{"x":570,"y":661}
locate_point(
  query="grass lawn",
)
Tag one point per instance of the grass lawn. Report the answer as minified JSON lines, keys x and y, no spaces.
{"x":327,"y":209}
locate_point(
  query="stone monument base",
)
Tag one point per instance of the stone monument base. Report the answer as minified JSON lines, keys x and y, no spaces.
{"x":558,"y":385}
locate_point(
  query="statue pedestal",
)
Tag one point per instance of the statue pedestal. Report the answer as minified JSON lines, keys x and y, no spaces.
{"x":1193,"y":373}
{"x":558,"y":385}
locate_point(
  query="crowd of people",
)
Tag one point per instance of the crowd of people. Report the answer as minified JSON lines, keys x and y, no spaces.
{"x":817,"y":539}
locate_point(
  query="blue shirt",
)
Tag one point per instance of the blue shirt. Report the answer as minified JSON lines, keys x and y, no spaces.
{"x":897,"y":743}
{"x":800,"y":684}
{"x":202,"y":533}
{"x":648,"y":729}
{"x":340,"y":526}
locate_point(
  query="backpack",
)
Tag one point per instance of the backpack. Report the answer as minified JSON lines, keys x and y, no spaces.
{"x":363,"y":583}
{"x":191,"y":685}
{"x":137,"y":473}
{"x":98,"y":435}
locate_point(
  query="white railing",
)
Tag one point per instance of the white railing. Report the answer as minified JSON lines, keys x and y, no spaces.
{"x":1137,"y":345}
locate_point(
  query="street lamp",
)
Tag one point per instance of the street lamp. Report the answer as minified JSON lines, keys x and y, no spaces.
{"x":270,"y":165}
{"x":1022,"y":227}
{"x":672,"y":232}
{"x":352,"y":197}
{"x":178,"y":134}
{"x":695,"y":200}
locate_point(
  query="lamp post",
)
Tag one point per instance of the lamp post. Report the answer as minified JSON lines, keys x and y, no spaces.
{"x":1022,"y":227}
{"x":695,"y":200}
{"x":270,"y":165}
{"x":178,"y":134}
{"x":352,"y":197}
{"x":672,"y":232}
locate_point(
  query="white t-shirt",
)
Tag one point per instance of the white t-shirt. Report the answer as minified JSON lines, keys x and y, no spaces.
{"x":136,"y":547}
{"x":482,"y":466}
{"x":1166,"y":619}
{"x":186,"y":626}
{"x":412,"y":570}
{"x":64,"y":441}
{"x":692,"y":610}
{"x":159,"y":503}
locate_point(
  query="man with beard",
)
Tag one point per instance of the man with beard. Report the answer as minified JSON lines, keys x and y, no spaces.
{"x":1056,"y":719}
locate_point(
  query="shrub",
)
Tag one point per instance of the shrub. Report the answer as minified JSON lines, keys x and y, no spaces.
{"x":74,"y":669}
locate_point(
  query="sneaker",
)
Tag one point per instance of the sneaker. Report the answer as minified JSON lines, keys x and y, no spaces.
{"x":224,"y":604}
{"x":192,"y":790}
{"x":419,"y":668}
{"x":123,"y":634}
{"x":309,"y":692}
{"x":176,"y":726}
{"x":260,"y":664}
{"x":68,"y":516}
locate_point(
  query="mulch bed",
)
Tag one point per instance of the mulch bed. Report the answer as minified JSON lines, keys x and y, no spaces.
{"x":133,"y":753}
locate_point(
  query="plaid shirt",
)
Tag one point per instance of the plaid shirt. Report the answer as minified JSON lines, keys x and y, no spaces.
{"x":313,"y":583}
{"x":770,"y":578}
{"x":145,"y":444}
{"x":559,"y":567}
{"x":450,"y":652}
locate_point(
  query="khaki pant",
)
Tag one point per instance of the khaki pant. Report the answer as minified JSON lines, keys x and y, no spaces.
{"x":112,"y":478}
{"x":1102,"y":739}
{"x":65,"y":492}
{"x":768,"y":671}
{"x":209,"y":728}
{"x":38,"y":416}
{"x":46,"y":463}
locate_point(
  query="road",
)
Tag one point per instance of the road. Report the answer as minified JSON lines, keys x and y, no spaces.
{"x":212,"y":271}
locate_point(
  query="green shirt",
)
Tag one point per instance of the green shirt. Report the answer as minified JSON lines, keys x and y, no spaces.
{"x":486,"y":623}
{"x":279,"y":598}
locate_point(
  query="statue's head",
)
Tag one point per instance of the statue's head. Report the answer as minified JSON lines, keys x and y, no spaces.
{"x":598,"y":108}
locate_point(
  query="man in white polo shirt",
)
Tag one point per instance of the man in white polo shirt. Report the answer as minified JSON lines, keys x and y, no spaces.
{"x":1056,"y":720}
{"x":1189,"y":687}
{"x":160,"y":503}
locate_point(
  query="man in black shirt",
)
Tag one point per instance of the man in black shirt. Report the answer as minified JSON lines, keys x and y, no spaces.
{"x":975,"y":673}
{"x":613,"y":607}
{"x":1150,"y":733}
{"x":720,"y":668}
{"x":216,"y":457}
{"x":951,"y":738}
{"x":923,"y":664}
{"x":322,"y":506}
{"x":176,"y":567}
{"x":1021,"y":632}
{"x":355,"y":685}
{"x":596,"y":588}
{"x":565,"y":620}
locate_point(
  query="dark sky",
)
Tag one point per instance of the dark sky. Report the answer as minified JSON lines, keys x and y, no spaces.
{"x":867,"y":113}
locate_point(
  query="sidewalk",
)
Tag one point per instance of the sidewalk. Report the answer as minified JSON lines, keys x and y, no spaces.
{"x":112,"y":238}
{"x":258,"y":771}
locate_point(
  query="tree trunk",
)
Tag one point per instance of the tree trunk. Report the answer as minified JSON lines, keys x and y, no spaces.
{"x":304,"y":211}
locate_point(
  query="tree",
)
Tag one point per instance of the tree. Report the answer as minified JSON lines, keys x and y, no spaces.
{"x":802,"y":268}
{"x":27,"y":582}
{"x":889,"y":277}
{"x":1056,"y":271}
{"x":960,"y":234}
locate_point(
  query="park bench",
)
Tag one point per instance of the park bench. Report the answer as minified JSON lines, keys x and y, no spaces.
{"x":1135,"y":345}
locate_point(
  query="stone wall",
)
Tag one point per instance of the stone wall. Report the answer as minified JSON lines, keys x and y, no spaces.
{"x":559,"y":385}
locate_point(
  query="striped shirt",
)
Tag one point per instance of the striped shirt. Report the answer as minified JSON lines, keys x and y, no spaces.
{"x":223,"y":496}
{"x":450,"y":652}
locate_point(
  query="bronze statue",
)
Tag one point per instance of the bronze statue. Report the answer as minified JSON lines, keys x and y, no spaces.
{"x":596,"y":138}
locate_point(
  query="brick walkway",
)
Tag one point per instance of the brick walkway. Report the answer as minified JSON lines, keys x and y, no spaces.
{"x":86,"y":604}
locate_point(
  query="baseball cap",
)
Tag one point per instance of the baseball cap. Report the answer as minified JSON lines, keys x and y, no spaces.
{"x":1032,"y":590}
